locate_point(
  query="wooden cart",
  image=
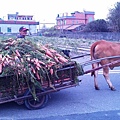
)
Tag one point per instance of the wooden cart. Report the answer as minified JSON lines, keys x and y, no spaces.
{"x":13,"y":90}
{"x":67,"y":76}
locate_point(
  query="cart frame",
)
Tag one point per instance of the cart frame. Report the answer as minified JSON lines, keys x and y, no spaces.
{"x":66,"y":79}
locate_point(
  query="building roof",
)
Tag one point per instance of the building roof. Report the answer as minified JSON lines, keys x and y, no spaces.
{"x":89,"y":12}
{"x":18,"y":22}
{"x":76,"y":12}
{"x":65,"y":17}
{"x":63,"y":27}
{"x":24,"y":15}
{"x":85,"y":12}
{"x":14,"y":15}
{"x":68,"y":27}
{"x":72,"y":27}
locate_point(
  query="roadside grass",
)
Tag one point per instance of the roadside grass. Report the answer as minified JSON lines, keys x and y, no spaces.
{"x":65,"y":42}
{"x":58,"y":43}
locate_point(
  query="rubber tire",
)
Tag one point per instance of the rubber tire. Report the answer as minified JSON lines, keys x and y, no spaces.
{"x":31,"y":104}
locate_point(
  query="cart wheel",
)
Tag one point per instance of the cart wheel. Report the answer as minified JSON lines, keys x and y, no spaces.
{"x":31,"y":104}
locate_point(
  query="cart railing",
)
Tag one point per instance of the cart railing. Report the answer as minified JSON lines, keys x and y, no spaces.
{"x":90,"y":62}
{"x":98,"y":60}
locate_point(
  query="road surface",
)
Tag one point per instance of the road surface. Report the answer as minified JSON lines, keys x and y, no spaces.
{"x":81,"y":102}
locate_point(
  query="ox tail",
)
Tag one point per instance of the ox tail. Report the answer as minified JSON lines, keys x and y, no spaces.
{"x":92,"y":53}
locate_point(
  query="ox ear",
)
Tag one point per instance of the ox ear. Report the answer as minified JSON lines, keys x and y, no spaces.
{"x":111,"y":67}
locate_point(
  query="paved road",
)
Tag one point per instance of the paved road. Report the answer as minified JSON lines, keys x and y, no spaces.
{"x":77,"y":103}
{"x":111,"y":115}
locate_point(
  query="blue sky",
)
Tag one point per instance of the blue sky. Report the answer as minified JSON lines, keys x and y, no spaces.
{"x":47,"y":10}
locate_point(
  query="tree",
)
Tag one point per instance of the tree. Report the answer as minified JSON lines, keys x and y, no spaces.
{"x":114,"y":17}
{"x":99,"y":25}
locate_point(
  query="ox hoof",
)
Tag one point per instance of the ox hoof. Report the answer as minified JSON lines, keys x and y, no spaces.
{"x":97,"y":88}
{"x":113,"y":89}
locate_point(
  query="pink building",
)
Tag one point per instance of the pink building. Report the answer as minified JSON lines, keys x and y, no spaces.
{"x":76,"y":19}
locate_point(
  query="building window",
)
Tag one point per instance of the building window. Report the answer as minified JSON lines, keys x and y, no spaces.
{"x":9,"y":29}
{"x":64,"y":22}
{"x":73,"y":22}
{"x":61,"y":22}
{"x":90,"y":19}
{"x":30,"y":18}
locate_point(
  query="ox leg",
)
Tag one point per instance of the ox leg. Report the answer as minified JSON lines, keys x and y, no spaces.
{"x":95,"y":80}
{"x":95,"y":73}
{"x":106,"y":75}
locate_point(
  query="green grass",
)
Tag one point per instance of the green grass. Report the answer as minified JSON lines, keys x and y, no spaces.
{"x":57,"y":43}
{"x":65,"y":42}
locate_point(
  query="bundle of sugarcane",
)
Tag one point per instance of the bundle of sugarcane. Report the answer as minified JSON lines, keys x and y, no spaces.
{"x":29,"y":59}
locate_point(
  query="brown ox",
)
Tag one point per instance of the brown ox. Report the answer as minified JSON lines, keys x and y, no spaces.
{"x":101,"y":49}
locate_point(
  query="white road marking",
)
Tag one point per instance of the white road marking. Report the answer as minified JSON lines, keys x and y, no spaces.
{"x":111,"y":72}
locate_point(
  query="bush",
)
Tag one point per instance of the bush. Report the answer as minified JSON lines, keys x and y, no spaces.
{"x":99,"y":25}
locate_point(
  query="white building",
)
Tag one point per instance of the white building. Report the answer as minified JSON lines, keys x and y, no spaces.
{"x":15,"y":21}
